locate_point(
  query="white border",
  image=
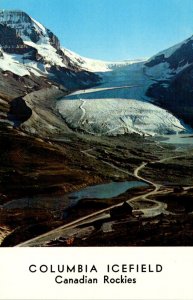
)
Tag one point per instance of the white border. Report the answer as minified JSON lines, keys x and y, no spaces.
{"x":174,"y":282}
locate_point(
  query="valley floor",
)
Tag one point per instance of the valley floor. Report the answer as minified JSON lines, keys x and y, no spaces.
{"x":36,"y":207}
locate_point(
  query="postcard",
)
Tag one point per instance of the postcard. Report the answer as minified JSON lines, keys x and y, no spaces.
{"x":96,"y":149}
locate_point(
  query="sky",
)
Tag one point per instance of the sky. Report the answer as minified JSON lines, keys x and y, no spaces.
{"x":112,"y":30}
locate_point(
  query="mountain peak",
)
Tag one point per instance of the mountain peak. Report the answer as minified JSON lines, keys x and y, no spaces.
{"x":27,"y":47}
{"x":13,"y":16}
{"x":27,"y":28}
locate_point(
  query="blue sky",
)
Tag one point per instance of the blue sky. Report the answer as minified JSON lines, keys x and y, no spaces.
{"x":112,"y":29}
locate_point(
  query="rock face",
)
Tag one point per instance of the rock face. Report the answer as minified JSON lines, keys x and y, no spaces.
{"x":28,"y":47}
{"x":172,"y":72}
{"x":19,"y":112}
{"x":11,"y":42}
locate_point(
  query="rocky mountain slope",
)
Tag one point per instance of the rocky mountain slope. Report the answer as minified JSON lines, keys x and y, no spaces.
{"x":32,"y":63}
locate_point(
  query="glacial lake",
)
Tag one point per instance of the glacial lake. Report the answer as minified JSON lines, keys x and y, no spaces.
{"x":105,"y":191}
{"x":60,"y":202}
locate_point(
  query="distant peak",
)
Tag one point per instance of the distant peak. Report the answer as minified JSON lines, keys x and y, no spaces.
{"x":12,"y":11}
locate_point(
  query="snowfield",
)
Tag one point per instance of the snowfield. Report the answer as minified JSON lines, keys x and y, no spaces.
{"x":19,"y":66}
{"x":94,"y":65}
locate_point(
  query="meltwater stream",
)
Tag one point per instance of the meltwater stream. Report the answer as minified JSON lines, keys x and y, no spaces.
{"x":178,"y":139}
{"x":60,"y":202}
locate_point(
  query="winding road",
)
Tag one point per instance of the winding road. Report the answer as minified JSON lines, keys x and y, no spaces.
{"x":156,"y":208}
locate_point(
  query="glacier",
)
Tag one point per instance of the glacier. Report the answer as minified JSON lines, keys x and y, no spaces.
{"x":119,"y":106}
{"x":107,"y":98}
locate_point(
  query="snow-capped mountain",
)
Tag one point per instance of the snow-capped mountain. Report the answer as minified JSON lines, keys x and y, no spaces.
{"x":27,"y":28}
{"x":175,"y":58}
{"x":166,"y":65}
{"x":28,"y":47}
{"x":172,"y":73}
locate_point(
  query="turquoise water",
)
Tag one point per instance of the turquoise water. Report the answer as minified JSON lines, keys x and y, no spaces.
{"x":105,"y":191}
{"x":60,"y":202}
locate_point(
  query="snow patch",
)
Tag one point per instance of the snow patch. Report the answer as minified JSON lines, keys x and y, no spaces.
{"x":16,"y":64}
{"x":7,"y":63}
